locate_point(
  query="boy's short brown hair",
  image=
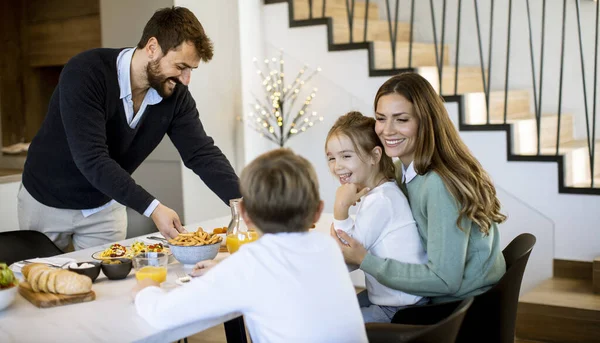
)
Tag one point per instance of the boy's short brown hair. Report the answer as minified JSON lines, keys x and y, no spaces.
{"x":173,"y":26}
{"x":280,"y":192}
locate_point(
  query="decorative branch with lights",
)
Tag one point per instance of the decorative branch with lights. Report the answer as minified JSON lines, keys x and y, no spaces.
{"x":274,"y":115}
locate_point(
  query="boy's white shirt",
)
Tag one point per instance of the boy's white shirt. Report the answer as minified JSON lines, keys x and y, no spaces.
{"x":384,"y":225}
{"x":290,"y":287}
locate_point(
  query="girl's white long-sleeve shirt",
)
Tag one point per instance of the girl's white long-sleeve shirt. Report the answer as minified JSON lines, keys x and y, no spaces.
{"x":384,"y":225}
{"x":290,"y":287}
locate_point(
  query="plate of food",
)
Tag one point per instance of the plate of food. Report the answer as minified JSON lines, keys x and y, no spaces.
{"x":117,"y":250}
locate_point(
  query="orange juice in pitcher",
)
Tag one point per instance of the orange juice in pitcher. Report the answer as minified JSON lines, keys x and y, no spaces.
{"x":237,"y":231}
{"x":234,"y":242}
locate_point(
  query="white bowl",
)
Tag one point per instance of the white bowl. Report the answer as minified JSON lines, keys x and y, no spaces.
{"x":7,"y":296}
{"x":190,"y":255}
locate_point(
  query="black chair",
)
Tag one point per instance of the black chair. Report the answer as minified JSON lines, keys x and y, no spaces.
{"x":492,"y":316}
{"x":444,"y":331}
{"x":21,"y":245}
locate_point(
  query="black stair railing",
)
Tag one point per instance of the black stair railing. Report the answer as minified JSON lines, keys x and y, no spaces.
{"x":392,"y":12}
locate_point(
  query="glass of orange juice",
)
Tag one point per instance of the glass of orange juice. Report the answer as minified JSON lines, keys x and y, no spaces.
{"x":151,"y":265}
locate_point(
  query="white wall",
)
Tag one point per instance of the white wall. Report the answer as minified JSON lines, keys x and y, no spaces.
{"x":252,"y":46}
{"x":345,"y":77}
{"x":216,"y":87}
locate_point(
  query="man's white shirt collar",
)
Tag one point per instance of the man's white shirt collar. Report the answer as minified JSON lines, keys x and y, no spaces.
{"x":124,"y":77}
{"x":408,"y":173}
{"x":123,"y":72}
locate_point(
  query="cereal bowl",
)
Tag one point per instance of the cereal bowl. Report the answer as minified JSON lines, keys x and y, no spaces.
{"x":193,"y":254}
{"x":116,"y":269}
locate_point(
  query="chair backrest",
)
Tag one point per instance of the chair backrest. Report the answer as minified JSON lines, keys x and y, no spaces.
{"x":492,"y":316}
{"x":444,"y":331}
{"x":21,"y":245}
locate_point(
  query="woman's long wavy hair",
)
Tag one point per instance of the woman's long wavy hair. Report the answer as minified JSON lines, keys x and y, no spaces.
{"x":439,"y":148}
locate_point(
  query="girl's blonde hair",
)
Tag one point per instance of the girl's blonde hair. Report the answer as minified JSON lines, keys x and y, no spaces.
{"x":361,"y":132}
{"x":439,"y":148}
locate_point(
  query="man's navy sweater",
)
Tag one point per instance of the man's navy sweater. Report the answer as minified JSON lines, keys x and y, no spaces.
{"x":85,"y":152}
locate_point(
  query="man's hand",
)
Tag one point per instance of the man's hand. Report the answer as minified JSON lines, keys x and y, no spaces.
{"x":202,"y":267}
{"x":167,"y":221}
{"x":346,"y":196}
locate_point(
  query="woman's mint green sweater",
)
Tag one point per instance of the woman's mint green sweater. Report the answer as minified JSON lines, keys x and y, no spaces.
{"x":460,"y":264}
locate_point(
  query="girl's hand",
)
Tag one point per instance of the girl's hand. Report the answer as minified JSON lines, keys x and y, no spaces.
{"x":347,"y":195}
{"x":354,"y":252}
{"x":202,"y":267}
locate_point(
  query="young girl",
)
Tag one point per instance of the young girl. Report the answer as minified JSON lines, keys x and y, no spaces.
{"x":384,"y":223}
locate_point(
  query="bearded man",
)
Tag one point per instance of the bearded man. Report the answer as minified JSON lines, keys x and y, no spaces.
{"x":110,"y":110}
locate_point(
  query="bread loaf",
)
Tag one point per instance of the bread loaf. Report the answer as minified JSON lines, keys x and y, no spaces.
{"x":52,"y":280}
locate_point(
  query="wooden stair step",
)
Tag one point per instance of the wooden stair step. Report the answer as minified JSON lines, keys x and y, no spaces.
{"x":476,"y":112}
{"x":525,"y":133}
{"x":587,"y":184}
{"x":377,"y":30}
{"x":559,"y":310}
{"x":469,"y":79}
{"x":333,"y":8}
{"x":577,"y":161}
{"x":423,"y":54}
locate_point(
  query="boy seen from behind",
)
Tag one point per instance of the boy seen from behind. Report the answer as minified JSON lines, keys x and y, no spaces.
{"x":290,"y":285}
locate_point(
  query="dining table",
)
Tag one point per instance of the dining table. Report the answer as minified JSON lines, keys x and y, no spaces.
{"x":112,"y":316}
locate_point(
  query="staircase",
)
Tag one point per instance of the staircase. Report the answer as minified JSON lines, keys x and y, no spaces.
{"x":562,"y":308}
{"x":464,"y":86}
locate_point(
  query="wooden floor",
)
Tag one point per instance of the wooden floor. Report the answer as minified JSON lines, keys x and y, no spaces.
{"x":564,"y":292}
{"x":560,"y":310}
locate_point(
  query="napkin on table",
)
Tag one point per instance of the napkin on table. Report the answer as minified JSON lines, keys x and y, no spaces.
{"x":51,"y":261}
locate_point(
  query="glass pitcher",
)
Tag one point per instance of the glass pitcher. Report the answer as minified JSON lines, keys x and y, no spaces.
{"x":238,"y":232}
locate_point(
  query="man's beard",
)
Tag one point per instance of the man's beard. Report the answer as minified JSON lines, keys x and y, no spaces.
{"x":158,"y":81}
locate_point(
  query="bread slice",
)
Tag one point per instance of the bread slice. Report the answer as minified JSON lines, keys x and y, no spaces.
{"x":34,"y":275}
{"x":43,"y":280}
{"x":27,"y":268}
{"x":52,"y":280}
{"x":69,"y":283}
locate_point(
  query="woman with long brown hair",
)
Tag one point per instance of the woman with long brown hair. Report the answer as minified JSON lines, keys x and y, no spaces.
{"x":452,"y":198}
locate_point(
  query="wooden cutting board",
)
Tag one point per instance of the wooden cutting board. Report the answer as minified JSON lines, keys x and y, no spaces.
{"x":45,"y":300}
